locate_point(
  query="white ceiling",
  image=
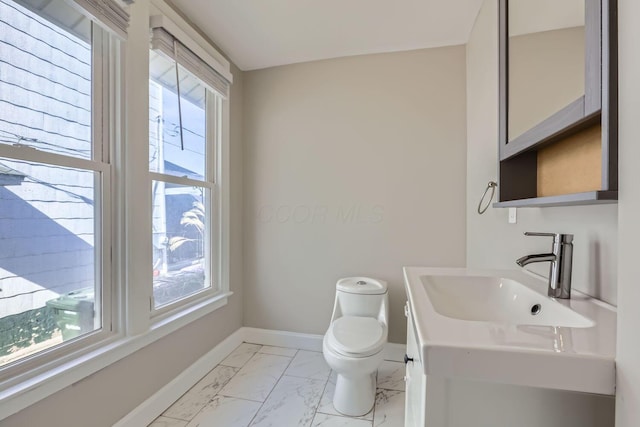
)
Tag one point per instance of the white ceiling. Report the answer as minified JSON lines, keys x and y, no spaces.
{"x":266,"y":33}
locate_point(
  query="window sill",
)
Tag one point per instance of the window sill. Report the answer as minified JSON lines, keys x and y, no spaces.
{"x":20,"y":395}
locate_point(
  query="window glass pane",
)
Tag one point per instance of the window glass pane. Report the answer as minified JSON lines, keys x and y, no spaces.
{"x":45,"y":81}
{"x":47,"y":256}
{"x":180,"y":258}
{"x":167,"y":153}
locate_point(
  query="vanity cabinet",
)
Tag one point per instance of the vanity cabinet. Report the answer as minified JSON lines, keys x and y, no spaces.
{"x":426,"y":397}
{"x":415,"y":379}
{"x":558,"y":130}
{"x":437,"y":401}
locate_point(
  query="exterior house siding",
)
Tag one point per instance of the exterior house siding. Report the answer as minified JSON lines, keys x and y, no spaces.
{"x":47,"y":219}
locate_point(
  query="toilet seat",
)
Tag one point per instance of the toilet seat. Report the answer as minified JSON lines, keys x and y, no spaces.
{"x":356,"y":336}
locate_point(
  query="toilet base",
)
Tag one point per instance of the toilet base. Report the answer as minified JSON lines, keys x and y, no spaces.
{"x":355,"y":391}
{"x":355,"y":396}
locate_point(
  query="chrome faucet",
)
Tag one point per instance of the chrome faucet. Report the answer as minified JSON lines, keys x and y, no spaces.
{"x":561,"y":262}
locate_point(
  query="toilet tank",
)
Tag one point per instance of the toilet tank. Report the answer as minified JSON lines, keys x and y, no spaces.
{"x":361,"y":296}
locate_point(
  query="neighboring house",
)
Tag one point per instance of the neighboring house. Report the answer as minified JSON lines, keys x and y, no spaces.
{"x":46,"y":218}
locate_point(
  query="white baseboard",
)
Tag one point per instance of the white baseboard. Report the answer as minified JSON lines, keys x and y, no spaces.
{"x":151,"y":408}
{"x":310,"y":342}
{"x":393,"y":352}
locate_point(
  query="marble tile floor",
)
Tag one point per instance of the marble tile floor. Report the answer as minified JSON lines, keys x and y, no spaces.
{"x":266,"y":386}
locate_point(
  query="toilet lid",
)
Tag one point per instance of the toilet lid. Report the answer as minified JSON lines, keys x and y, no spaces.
{"x":357,"y":336}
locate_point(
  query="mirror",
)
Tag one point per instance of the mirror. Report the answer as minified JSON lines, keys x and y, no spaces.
{"x":557,"y":92}
{"x":546,"y":60}
{"x":553,"y":84}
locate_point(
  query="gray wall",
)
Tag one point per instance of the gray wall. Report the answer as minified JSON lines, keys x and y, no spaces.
{"x":491,"y":241}
{"x":628,"y":359}
{"x":353,"y":166}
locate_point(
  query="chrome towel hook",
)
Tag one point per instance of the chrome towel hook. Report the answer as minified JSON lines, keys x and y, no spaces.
{"x":490,"y":185}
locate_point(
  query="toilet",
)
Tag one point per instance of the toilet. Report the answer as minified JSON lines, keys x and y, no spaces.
{"x":353,"y":345}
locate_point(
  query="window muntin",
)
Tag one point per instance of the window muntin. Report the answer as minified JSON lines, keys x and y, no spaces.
{"x":54,"y":184}
{"x":182,"y":182}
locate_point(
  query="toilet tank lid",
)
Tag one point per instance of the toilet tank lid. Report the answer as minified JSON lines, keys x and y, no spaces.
{"x":362,"y":285}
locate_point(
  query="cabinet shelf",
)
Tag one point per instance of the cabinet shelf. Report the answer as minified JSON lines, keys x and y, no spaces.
{"x":576,"y":199}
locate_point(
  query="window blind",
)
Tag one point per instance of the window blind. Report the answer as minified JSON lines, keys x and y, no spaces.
{"x":164,"y":42}
{"x":110,"y":14}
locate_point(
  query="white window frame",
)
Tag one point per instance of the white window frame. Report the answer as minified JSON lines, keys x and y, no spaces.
{"x":104,"y":53}
{"x":212,"y":235}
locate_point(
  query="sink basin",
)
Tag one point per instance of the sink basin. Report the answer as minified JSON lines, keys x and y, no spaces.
{"x":500,"y":326}
{"x":497,"y":299}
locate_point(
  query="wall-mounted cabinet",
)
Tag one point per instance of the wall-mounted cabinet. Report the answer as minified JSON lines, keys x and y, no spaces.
{"x":558,"y":103}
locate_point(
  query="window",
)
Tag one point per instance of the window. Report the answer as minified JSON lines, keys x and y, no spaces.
{"x":183,"y":119}
{"x":54,"y":179}
{"x":70,"y":252}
